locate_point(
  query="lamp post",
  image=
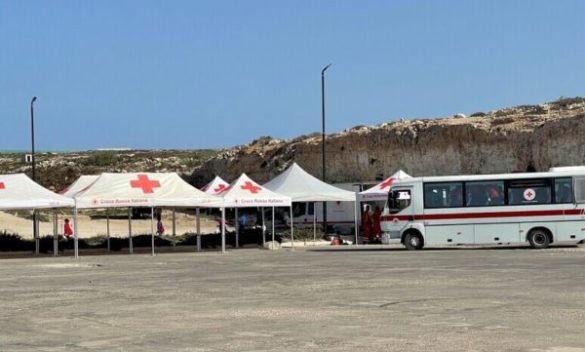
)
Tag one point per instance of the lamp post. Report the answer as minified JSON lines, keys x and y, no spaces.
{"x":323,"y":139}
{"x":32,"y":134}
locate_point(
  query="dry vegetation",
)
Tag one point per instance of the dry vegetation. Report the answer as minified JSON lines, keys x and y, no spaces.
{"x":57,"y":170}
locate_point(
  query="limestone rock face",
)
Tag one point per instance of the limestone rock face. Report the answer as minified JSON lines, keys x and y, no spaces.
{"x":524,"y":138}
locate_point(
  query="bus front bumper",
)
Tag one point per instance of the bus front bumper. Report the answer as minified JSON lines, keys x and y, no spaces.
{"x":392,"y":237}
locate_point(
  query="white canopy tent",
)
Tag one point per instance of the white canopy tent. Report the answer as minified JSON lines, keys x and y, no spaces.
{"x":243,"y":193}
{"x":17,"y":191}
{"x":148,"y":190}
{"x":304,"y":187}
{"x":143,"y":190}
{"x":380,"y":191}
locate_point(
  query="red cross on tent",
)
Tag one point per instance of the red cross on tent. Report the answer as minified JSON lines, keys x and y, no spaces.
{"x":387,"y":183}
{"x":2,"y":185}
{"x":250,"y":187}
{"x":220,"y":188}
{"x":144,"y":183}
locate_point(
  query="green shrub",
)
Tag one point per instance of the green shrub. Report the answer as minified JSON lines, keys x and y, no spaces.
{"x":103,"y":159}
{"x":302,"y":234}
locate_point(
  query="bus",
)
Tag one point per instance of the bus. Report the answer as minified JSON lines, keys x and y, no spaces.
{"x":537,"y":208}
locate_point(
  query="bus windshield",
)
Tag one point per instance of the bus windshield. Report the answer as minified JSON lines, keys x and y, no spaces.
{"x":398,"y":200}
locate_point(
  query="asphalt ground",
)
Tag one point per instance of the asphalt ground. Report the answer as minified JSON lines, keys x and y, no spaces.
{"x":329,"y":299}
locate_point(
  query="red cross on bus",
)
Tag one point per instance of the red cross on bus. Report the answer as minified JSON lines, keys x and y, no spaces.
{"x":529,"y":194}
{"x":250,"y":187}
{"x":144,"y":183}
{"x":386,"y":183}
{"x":2,"y":185}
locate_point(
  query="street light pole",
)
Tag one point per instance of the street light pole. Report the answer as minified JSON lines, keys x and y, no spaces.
{"x":32,"y":134}
{"x":323,"y":140}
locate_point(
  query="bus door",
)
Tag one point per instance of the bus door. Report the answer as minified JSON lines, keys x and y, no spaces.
{"x":577,"y":228}
{"x":580,"y":194}
{"x":398,"y":213}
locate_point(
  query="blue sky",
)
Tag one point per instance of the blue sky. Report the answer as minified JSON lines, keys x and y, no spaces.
{"x":209,"y":74}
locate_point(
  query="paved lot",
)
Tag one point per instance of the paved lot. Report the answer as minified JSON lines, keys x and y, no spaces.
{"x":335,"y":299}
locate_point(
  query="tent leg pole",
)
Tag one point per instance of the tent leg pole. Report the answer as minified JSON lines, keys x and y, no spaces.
{"x":108,"y":228}
{"x":174,"y":222}
{"x":292,"y":236}
{"x":223,"y":230}
{"x":36,"y":231}
{"x":130,"y":247}
{"x":314,"y":222}
{"x":355,"y":221}
{"x":198,"y":231}
{"x":55,"y":235}
{"x":263,"y":229}
{"x":75,"y":234}
{"x":272,"y":244}
{"x":152,"y":228}
{"x":237,"y":230}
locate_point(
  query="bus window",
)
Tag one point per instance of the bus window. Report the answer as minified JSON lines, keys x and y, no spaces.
{"x":398,"y":200}
{"x":299,"y":209}
{"x":443,"y":195}
{"x":484,"y":193}
{"x":563,"y":190}
{"x":311,"y":208}
{"x":528,"y":192}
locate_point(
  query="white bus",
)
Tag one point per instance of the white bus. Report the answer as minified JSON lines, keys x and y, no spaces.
{"x":538,"y":208}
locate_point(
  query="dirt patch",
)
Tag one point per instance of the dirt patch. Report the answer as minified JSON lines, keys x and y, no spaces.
{"x":118,"y":227}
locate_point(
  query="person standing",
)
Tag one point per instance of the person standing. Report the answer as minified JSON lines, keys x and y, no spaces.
{"x":160,"y":229}
{"x":242,"y":222}
{"x":366,"y":223}
{"x":67,"y":230}
{"x":377,"y":228}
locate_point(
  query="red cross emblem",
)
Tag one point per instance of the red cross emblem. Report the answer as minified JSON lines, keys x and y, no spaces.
{"x":529,"y":194}
{"x":144,"y":183}
{"x":2,"y":185}
{"x":387,"y":183}
{"x":220,"y":188}
{"x":250,"y":187}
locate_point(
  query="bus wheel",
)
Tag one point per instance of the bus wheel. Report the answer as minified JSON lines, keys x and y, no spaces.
{"x":413,"y":241}
{"x":539,"y":238}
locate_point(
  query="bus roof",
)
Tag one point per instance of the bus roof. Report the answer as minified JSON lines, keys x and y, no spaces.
{"x":564,"y":172}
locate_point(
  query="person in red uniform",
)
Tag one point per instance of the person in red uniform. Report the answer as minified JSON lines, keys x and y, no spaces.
{"x":376,"y":228}
{"x":160,"y":228}
{"x":366,"y":223}
{"x":67,"y":230}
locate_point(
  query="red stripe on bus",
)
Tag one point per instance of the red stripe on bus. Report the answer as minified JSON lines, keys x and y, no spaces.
{"x":329,"y":222}
{"x":503,"y":214}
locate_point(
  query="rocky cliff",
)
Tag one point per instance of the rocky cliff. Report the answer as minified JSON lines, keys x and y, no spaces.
{"x":523,"y":138}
